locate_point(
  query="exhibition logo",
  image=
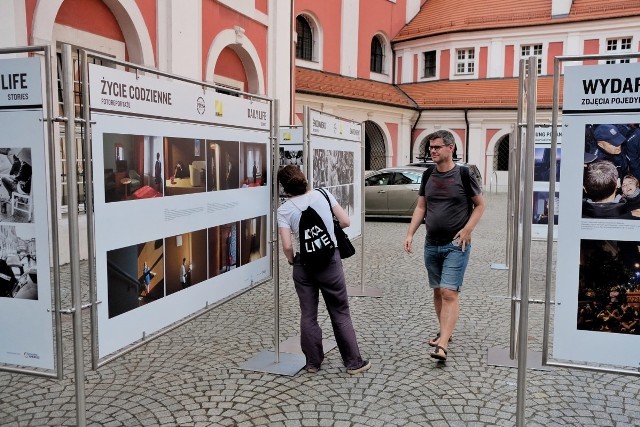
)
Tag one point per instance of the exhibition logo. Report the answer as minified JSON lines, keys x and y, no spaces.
{"x":287,"y":136}
{"x":200,"y":105}
{"x":31,"y":355}
{"x":218,"y":108}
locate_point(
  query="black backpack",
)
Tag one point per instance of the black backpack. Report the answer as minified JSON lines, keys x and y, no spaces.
{"x":316,"y":245}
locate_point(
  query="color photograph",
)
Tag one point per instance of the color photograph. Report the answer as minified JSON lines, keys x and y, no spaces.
{"x":541,"y":208}
{"x":253,"y":164}
{"x":223,"y":248}
{"x":185,"y":166}
{"x":132,"y":167}
{"x":185,"y":260}
{"x":135,"y":276}
{"x":542,"y":166}
{"x":609,"y":287}
{"x":253,"y":239}
{"x":223,"y":171}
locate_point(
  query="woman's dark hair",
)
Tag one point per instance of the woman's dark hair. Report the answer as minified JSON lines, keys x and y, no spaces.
{"x":292,"y":180}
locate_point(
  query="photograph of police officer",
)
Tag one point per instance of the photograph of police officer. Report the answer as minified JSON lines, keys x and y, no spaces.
{"x":18,"y":269}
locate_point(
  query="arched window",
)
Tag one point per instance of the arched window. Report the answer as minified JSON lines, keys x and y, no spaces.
{"x":501,"y":160}
{"x":377,"y":55}
{"x":304,"y":46}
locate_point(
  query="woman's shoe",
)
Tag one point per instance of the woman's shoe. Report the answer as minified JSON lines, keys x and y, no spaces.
{"x":434,"y":341}
{"x":363,"y":367}
{"x":437,"y":355}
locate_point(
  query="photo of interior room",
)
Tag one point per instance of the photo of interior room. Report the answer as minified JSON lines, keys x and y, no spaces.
{"x":16,"y":201}
{"x":185,"y":260}
{"x":223,"y":171}
{"x":130,"y":166}
{"x":253,"y":164}
{"x":253,"y":239}
{"x":185,"y":166}
{"x":223,"y":248}
{"x":135,"y":276}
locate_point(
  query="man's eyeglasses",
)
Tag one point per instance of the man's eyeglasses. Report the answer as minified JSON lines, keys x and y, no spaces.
{"x":436,"y":147}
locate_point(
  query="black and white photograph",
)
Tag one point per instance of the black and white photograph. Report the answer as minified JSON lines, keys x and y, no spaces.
{"x":18,"y":269}
{"x":609,"y":287}
{"x":16,"y":201}
{"x":290,"y":156}
{"x":332,"y":168}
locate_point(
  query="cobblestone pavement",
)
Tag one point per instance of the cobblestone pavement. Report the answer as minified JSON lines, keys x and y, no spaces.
{"x":190,"y":376}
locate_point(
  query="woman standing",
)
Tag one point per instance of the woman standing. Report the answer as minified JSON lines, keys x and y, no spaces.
{"x":330,"y":280}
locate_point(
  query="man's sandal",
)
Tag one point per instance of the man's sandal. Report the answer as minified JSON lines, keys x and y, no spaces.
{"x":436,"y":353}
{"x":434,"y":341}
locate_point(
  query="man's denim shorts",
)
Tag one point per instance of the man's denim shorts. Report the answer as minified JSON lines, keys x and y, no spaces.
{"x":446,"y":265}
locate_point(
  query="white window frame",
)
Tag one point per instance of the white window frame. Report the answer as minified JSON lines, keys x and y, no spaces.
{"x":465,"y":62}
{"x":540,"y":57}
{"x":385,"y":76}
{"x":317,"y":45}
{"x":618,"y":41}
{"x":422,"y":65}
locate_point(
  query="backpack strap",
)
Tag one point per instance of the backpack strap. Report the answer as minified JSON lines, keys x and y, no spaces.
{"x":324,"y":193}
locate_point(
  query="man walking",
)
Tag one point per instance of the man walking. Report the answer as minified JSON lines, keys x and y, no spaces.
{"x":450,"y":203}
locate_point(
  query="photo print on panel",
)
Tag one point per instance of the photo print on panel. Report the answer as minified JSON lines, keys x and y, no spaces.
{"x":611,"y":171}
{"x":609,"y":287}
{"x":16,"y":202}
{"x":18,"y":268}
{"x":223,"y":172}
{"x":253,"y":239}
{"x":253,"y":165}
{"x":132,"y":167}
{"x":135,"y":276}
{"x":185,"y":166}
{"x":185,"y":260}
{"x":333,"y":170}
{"x":223,"y":248}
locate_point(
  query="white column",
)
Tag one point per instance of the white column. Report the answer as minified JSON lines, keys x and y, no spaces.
{"x":407,"y":56}
{"x":349,"y":38}
{"x":180,"y":37}
{"x":279,"y":58}
{"x":13,"y":31}
{"x":496,"y":58}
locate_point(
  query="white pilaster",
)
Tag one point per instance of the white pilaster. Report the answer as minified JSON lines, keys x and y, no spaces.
{"x":496,"y":59}
{"x":279,"y":58}
{"x":13,"y":31}
{"x":349,"y":38}
{"x":180,"y":37}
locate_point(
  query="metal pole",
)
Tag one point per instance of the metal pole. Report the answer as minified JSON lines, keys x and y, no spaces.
{"x":362,"y":202}
{"x":306,"y":131}
{"x":516,"y":185}
{"x":526,"y":239}
{"x":88,"y":203}
{"x":552,"y":199}
{"x":53,"y":209}
{"x":275,"y":199}
{"x":74,"y":241}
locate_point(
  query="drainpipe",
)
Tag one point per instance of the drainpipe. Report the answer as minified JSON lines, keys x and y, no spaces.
{"x":466,"y":136}
{"x":411,"y":136}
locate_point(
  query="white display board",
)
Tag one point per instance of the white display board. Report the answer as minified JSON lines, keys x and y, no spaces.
{"x":182,"y":200}
{"x":598,"y":266}
{"x":541,"y":178}
{"x":27,"y":337}
{"x":335,"y":153}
